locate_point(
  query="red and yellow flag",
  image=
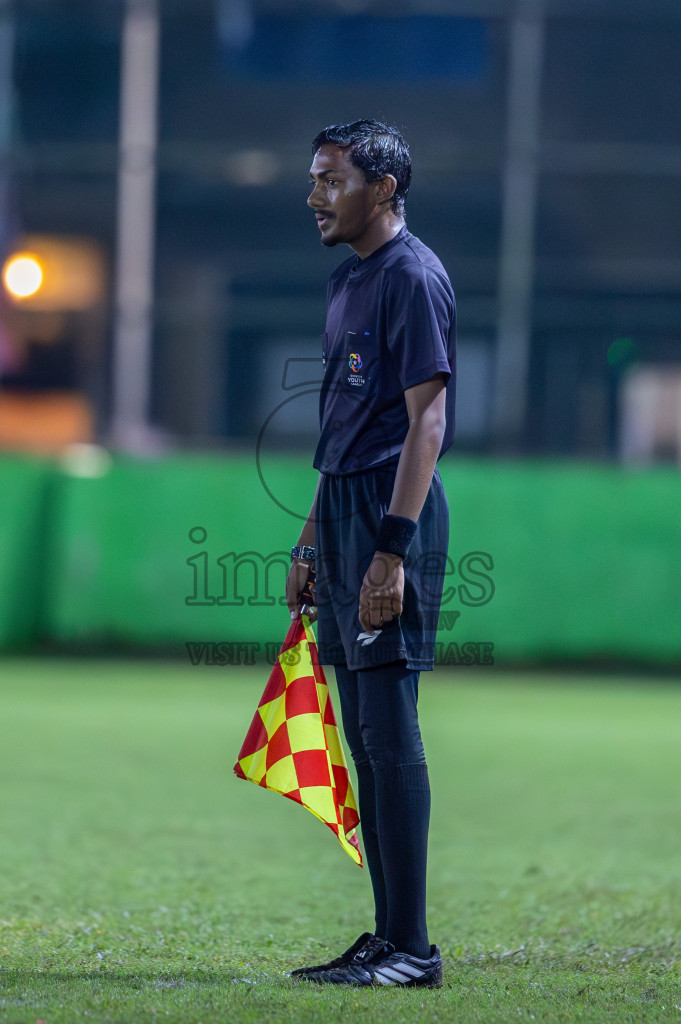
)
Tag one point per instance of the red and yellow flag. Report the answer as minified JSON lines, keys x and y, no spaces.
{"x":293,"y":745}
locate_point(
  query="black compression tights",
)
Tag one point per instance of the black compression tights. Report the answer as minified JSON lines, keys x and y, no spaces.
{"x":381,"y":728}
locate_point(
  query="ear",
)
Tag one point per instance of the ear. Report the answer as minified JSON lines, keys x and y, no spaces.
{"x":385,"y":188}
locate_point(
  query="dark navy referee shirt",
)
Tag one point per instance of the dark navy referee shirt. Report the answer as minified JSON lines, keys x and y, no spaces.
{"x":391,"y":324}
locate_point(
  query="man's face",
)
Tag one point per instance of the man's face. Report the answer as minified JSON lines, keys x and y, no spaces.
{"x":344,"y":203}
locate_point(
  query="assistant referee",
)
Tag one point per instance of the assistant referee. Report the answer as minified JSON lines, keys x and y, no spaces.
{"x":377,"y":533}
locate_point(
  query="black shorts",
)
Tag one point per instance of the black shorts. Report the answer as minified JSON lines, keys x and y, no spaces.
{"x":349,"y":511}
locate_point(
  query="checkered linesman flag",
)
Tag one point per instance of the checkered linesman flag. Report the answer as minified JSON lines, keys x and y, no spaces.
{"x":293,"y":746}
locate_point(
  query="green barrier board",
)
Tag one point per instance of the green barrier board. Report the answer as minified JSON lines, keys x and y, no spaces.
{"x":547,"y":561}
{"x":25,"y":486}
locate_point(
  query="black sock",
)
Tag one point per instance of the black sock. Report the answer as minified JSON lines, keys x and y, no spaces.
{"x":366,"y":797}
{"x":403,"y":815}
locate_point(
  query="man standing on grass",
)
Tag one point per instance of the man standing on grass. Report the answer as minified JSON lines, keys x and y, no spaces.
{"x":378,"y":528}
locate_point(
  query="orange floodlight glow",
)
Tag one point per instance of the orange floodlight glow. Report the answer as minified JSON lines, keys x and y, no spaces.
{"x":56,"y":274}
{"x":22,"y":275}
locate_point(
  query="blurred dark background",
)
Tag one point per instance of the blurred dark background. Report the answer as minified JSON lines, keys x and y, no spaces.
{"x":575,"y":187}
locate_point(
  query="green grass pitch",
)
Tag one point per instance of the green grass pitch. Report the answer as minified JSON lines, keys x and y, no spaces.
{"x":141,"y":881}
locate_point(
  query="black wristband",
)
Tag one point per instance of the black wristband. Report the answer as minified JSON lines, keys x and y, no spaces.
{"x":395,"y":534}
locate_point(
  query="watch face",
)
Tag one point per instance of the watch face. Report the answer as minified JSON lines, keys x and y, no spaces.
{"x":302,"y":551}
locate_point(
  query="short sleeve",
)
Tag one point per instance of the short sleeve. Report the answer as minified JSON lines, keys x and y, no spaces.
{"x":419,"y":317}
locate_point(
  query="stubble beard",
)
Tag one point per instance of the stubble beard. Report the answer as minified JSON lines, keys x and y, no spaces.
{"x":328,"y":241}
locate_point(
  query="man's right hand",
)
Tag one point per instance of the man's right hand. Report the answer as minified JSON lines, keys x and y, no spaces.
{"x":295,"y":585}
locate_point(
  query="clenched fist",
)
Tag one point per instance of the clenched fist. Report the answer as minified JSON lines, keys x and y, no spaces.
{"x":380,"y":599}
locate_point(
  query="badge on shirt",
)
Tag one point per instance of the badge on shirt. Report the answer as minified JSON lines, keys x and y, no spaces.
{"x":355,"y":373}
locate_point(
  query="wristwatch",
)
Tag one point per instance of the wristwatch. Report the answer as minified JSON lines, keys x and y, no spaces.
{"x":303,"y":551}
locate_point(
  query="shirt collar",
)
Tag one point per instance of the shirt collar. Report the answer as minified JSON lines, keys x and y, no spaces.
{"x":359,"y":265}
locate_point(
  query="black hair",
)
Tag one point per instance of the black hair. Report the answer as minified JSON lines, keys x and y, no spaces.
{"x":376,"y":149}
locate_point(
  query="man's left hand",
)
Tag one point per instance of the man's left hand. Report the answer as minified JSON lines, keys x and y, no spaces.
{"x":380,"y":599}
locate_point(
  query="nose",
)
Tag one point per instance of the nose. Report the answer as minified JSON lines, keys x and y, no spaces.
{"x":313,"y":198}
